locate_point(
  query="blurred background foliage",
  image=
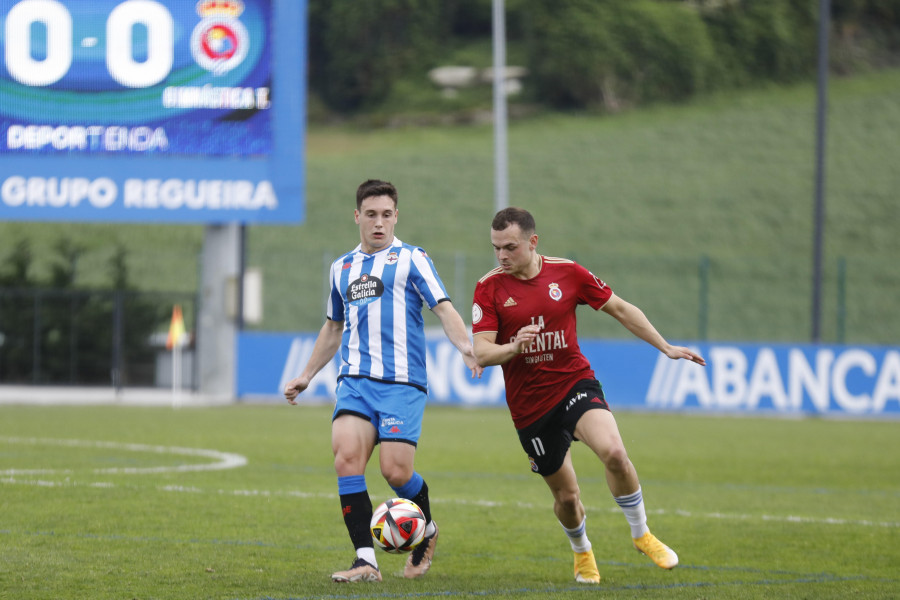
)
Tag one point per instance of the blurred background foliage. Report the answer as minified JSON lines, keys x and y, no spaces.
{"x":582,"y":54}
{"x":666,"y":144}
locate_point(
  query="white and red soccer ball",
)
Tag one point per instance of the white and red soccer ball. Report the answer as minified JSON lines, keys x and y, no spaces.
{"x":398,"y":525}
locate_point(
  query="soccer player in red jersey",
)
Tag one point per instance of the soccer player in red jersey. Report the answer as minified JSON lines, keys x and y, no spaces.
{"x":523,"y":318}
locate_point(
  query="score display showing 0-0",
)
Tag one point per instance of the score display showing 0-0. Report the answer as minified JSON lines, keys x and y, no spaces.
{"x":121,"y":22}
{"x":179,"y":77}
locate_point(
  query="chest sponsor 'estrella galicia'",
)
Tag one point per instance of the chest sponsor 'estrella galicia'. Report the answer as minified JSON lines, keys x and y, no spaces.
{"x":367,"y":288}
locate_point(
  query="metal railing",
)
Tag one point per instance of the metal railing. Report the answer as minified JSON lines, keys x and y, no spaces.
{"x":699,"y":297}
{"x":87,"y":337}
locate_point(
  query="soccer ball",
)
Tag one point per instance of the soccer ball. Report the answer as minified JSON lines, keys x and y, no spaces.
{"x":398,"y":525}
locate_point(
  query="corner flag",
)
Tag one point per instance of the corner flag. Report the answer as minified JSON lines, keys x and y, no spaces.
{"x":176,"y":329}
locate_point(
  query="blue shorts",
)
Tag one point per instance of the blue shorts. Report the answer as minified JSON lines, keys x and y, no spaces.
{"x":395,"y":409}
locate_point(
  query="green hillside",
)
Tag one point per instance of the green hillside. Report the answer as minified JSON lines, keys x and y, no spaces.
{"x":701,"y":214}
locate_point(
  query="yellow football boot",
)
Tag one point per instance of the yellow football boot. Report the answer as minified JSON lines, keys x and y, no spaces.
{"x":658,"y":552}
{"x":586,"y":568}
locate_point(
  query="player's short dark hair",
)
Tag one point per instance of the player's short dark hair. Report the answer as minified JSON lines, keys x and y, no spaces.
{"x":513,"y":216}
{"x":372,"y":188}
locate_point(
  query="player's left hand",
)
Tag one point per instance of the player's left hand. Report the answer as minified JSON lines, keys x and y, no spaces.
{"x":676,"y":352}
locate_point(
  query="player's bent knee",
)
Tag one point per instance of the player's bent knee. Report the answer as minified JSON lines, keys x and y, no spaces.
{"x":349,"y":465}
{"x":617,"y":460}
{"x":396,"y":475}
{"x":568,"y":500}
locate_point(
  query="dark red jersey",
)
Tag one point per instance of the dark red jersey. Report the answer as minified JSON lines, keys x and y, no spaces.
{"x":537,"y":379}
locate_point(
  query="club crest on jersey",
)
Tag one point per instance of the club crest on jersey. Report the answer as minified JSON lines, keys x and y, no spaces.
{"x":555,"y":292}
{"x":392,"y":258}
{"x":364,"y":290}
{"x":220,"y":42}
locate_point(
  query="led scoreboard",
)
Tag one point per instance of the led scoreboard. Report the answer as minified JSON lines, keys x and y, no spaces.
{"x":152,"y":110}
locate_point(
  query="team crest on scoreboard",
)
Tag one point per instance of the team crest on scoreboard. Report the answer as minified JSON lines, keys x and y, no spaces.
{"x":555,"y":292}
{"x":220,"y":42}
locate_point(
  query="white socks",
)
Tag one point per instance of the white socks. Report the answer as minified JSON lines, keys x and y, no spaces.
{"x":578,"y":537}
{"x":368,"y":555}
{"x":633,"y":507}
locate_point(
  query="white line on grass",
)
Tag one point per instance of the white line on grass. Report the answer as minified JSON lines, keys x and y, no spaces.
{"x":223,"y":460}
{"x":228,"y":460}
{"x":779,"y":518}
{"x":485,"y":503}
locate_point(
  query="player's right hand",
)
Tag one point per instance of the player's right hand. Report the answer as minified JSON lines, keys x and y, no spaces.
{"x":294,"y":387}
{"x":525,"y":336}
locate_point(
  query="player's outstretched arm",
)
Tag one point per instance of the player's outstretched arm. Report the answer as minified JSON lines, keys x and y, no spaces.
{"x":327,"y":343}
{"x":635,"y":321}
{"x":458,"y":334}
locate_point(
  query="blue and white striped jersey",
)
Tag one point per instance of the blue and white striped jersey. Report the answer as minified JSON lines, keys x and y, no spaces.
{"x":380,"y":298}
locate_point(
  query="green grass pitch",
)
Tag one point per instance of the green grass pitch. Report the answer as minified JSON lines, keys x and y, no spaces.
{"x":117,"y":502}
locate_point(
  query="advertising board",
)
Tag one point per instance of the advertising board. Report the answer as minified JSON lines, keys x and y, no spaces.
{"x":744,"y":378}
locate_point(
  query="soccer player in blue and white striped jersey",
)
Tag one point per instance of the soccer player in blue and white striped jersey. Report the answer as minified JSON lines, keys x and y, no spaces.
{"x":380,"y":296}
{"x":374,"y":317}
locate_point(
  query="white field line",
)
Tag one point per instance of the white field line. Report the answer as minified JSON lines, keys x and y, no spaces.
{"x":227,"y":460}
{"x":696,"y":515}
{"x":222,"y":460}
{"x":796,"y":519}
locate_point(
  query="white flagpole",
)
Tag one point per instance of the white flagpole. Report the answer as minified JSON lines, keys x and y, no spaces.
{"x":176,"y":374}
{"x":501,"y":160}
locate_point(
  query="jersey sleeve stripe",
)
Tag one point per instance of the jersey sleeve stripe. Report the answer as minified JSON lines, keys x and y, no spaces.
{"x":558,"y":261}
{"x":491,"y":273}
{"x":425,"y":268}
